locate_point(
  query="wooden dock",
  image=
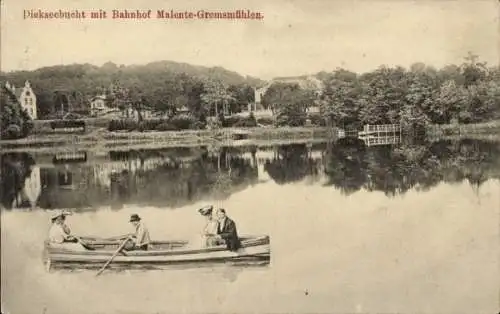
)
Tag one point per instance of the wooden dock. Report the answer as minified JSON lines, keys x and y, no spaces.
{"x":382,"y":134}
{"x":374,"y":135}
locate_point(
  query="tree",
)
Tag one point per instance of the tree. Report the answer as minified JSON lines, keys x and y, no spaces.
{"x":450,"y":100}
{"x":242,"y":95}
{"x":14,"y":120}
{"x":216,"y":95}
{"x":342,"y":98}
{"x":473,"y":71}
{"x":288,"y":102}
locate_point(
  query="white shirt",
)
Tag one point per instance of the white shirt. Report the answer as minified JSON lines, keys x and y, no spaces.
{"x":57,"y":234}
{"x":222,"y":223}
{"x":141,"y":234}
{"x":211,"y":227}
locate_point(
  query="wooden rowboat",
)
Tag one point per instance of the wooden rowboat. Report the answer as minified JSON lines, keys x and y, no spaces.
{"x":162,"y":253}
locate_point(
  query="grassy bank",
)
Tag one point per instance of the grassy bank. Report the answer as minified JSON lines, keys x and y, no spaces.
{"x":464,"y":130}
{"x":103,"y":139}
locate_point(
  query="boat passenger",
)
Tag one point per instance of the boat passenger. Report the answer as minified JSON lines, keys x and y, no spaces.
{"x":209,"y":234}
{"x":60,"y":233}
{"x":140,"y":239}
{"x":227,"y":231}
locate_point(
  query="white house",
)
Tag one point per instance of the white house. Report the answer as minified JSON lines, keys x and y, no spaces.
{"x":98,"y":105}
{"x":26,"y":98}
{"x":98,"y":102}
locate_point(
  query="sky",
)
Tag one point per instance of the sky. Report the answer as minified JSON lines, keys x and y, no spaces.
{"x":295,"y":37}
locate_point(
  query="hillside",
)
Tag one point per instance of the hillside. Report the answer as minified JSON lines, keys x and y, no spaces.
{"x":104,"y":75}
{"x":80,"y":82}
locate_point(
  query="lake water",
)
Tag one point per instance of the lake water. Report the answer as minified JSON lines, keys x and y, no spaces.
{"x":396,"y":229}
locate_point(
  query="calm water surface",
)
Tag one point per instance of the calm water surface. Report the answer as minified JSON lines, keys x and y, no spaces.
{"x":406,"y":228}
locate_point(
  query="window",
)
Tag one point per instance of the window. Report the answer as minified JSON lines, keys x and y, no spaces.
{"x":27,"y":93}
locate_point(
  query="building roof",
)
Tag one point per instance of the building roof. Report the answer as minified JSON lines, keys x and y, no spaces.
{"x":98,"y":97}
{"x":16,"y":91}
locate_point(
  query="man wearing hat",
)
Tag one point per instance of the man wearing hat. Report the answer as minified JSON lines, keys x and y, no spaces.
{"x":141,"y":239}
{"x":60,"y":234}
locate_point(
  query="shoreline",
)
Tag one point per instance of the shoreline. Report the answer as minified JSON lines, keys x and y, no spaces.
{"x":96,"y":139}
{"x":105,"y":140}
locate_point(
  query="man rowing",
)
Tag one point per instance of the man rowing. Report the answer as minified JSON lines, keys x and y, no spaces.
{"x":140,"y":239}
{"x":60,"y":234}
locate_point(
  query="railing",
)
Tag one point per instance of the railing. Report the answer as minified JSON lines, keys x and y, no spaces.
{"x":384,"y":140}
{"x":368,"y":128}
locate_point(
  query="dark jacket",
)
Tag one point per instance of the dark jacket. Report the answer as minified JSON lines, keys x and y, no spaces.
{"x":229,"y":234}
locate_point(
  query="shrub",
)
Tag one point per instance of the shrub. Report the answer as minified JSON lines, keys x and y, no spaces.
{"x":316,"y":119}
{"x":230,"y":121}
{"x":214,"y":124}
{"x":180,"y":122}
{"x":183,"y":122}
{"x":198,"y":125}
{"x":12,"y":131}
{"x":265,"y":120}
{"x":122,"y":125}
{"x":166,"y":126}
{"x":63,"y":124}
{"x":27,"y":128}
{"x":249,"y":122}
{"x":149,"y":125}
{"x":238,"y":121}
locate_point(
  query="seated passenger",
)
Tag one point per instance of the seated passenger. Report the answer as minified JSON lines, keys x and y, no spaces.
{"x":209,"y":234}
{"x":227,"y":231}
{"x":60,"y":234}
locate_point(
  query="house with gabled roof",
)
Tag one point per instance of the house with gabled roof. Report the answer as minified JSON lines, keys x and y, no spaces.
{"x":26,"y":98}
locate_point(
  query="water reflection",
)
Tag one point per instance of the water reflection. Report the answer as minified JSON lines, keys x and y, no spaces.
{"x":395,"y":170}
{"x":178,"y":177}
{"x":19,"y":180}
{"x":292,"y":163}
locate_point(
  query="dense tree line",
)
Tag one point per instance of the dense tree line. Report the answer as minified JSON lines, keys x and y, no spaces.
{"x":413,"y":97}
{"x":163,"y":86}
{"x":465,"y":93}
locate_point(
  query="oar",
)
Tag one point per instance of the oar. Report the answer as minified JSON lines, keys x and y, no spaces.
{"x":85,"y":245}
{"x":114,"y":255}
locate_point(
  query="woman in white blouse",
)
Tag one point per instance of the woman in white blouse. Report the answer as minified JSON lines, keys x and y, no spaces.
{"x":59,"y":233}
{"x":209,"y":234}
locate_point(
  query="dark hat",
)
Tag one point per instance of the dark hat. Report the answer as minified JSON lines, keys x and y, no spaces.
{"x":134,"y":217}
{"x":205,"y":211}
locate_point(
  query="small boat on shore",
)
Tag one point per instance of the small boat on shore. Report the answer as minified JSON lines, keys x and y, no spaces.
{"x":161,"y":253}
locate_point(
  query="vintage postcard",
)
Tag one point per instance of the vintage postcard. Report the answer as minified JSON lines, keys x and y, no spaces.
{"x":251,"y":156}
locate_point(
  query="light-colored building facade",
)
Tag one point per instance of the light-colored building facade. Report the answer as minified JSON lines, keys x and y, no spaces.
{"x":26,"y":98}
{"x":98,"y":103}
